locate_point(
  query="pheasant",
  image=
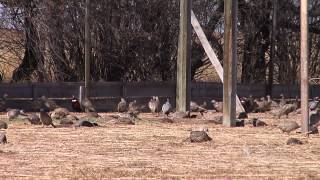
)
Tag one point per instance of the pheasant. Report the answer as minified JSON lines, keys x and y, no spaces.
{"x":87,"y":104}
{"x":199,"y":136}
{"x":166,"y":108}
{"x":122,"y":105}
{"x":45,"y":119}
{"x":154,"y":104}
{"x":218,"y":106}
{"x":288,"y":126}
{"x":75,"y":104}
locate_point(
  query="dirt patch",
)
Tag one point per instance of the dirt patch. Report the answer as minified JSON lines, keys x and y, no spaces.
{"x":152,"y":149}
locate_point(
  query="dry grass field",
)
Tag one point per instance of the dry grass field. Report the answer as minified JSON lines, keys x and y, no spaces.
{"x":155,"y":150}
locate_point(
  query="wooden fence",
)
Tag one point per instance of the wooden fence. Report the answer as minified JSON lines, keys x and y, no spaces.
{"x":106,"y":95}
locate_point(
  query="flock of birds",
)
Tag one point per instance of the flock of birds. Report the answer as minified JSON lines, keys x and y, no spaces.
{"x":128,"y":113}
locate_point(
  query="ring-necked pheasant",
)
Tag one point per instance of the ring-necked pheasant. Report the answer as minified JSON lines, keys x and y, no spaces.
{"x":75,"y":104}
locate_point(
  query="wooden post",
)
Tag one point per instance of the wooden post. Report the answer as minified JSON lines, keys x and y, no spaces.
{"x":81,"y":93}
{"x":229,"y":62}
{"x":210,"y":53}
{"x":183,"y":61}
{"x":87,"y":51}
{"x":304,"y":67}
{"x":273,"y":46}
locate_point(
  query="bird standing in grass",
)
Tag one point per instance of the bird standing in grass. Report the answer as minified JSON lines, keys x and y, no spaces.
{"x":87,"y":105}
{"x":194,"y":107}
{"x":122,"y":105}
{"x":75,"y":104}
{"x":3,"y":102}
{"x":3,"y":125}
{"x":287,"y":109}
{"x":282,"y":100}
{"x":16,"y":113}
{"x":3,"y":138}
{"x":313,"y":105}
{"x":46,"y":119}
{"x":166,"y":108}
{"x":288,"y":126}
{"x":218,"y":106}
{"x":200,"y":136}
{"x":48,"y":103}
{"x":154,"y":104}
{"x":34,"y":119}
{"x":133,"y":106}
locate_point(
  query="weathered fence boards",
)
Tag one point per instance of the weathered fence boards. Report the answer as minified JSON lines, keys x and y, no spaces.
{"x":106,"y":95}
{"x":145,"y":89}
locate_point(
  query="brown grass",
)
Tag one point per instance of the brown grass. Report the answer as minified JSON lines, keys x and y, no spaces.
{"x":153,"y":150}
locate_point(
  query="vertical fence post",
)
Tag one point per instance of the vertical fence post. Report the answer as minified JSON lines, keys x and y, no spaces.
{"x":304,"y":66}
{"x":230,"y":63}
{"x":87,"y":50}
{"x":183,"y":61}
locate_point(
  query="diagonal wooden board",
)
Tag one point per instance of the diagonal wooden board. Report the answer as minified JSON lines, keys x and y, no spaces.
{"x":210,"y":53}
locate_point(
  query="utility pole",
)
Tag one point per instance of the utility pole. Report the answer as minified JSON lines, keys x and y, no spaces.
{"x":304,"y":67}
{"x":184,"y":55}
{"x":230,"y":62}
{"x":87,"y":51}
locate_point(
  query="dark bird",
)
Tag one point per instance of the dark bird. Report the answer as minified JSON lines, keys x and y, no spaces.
{"x":3,"y":102}
{"x":3,"y":138}
{"x":75,"y":104}
{"x":34,"y":119}
{"x":49,"y":103}
{"x":3,"y":125}
{"x":166,"y":107}
{"x":85,"y":123}
{"x":248,"y":104}
{"x":218,"y":106}
{"x":243,"y":115}
{"x":258,"y":123}
{"x":240,"y":123}
{"x":288,"y":126}
{"x":154,"y":104}
{"x":313,"y":105}
{"x":199,"y":136}
{"x":314,"y":118}
{"x":46,"y":119}
{"x":294,"y":141}
{"x":87,"y":105}
{"x":313,"y":130}
{"x":122,"y":105}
